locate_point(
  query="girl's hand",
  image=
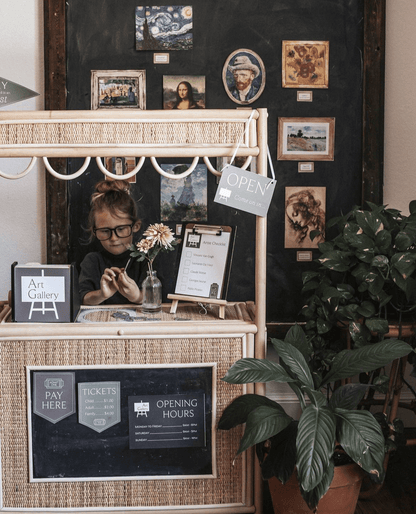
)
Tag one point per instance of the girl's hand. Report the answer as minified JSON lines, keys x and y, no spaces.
{"x":108,"y":282}
{"x":127,"y":286}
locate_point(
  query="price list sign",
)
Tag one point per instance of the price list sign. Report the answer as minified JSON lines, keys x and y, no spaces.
{"x":167,"y":421}
{"x":99,"y":404}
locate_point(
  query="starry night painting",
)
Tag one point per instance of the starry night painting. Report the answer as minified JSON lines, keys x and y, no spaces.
{"x":165,"y":27}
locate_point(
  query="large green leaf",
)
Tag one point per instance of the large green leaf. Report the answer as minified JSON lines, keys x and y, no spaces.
{"x":348,"y":396}
{"x":249,"y":370}
{"x":312,"y":497}
{"x":361,"y":437}
{"x":280,"y":460}
{"x":403,"y":241}
{"x":239,"y":409}
{"x":263,"y":423}
{"x":295,"y":361}
{"x":297,"y":338}
{"x":348,"y":363}
{"x":315,"y":444}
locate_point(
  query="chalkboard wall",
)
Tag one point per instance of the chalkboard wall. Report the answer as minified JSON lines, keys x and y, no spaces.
{"x":101,"y":36}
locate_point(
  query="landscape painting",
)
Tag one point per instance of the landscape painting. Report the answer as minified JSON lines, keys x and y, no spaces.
{"x":306,"y":139}
{"x":184,"y":199}
{"x":164,"y":27}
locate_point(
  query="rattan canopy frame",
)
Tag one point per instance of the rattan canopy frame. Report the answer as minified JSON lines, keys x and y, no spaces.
{"x":198,"y":135}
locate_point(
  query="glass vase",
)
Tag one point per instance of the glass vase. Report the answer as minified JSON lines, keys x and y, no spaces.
{"x":152,"y":293}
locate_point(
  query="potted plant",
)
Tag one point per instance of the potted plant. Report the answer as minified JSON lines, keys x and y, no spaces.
{"x":366,"y":280}
{"x":329,"y":424}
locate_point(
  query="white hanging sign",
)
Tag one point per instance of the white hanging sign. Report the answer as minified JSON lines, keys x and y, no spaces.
{"x":244,"y":190}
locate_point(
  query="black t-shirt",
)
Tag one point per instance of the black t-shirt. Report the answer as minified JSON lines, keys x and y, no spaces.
{"x":92,"y":269}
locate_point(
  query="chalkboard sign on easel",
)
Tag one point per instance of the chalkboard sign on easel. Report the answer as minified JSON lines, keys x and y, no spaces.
{"x":119,"y":429}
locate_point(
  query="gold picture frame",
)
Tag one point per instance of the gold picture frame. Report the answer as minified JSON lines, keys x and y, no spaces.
{"x":118,"y":89}
{"x":306,"y":139}
{"x":305,"y":64}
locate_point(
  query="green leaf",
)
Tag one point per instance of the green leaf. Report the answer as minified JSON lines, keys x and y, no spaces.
{"x":402,"y":241}
{"x":263,"y":423}
{"x":348,"y":396}
{"x":361,"y":437}
{"x":360,"y":334}
{"x":295,"y":361}
{"x":237,"y":412}
{"x":380,"y":261}
{"x":383,"y":240}
{"x":405,"y":263}
{"x":380,"y":326}
{"x":312,"y":497}
{"x":335,"y":260}
{"x":281,"y":459}
{"x":369,"y":222}
{"x":366,"y":309}
{"x":297,"y":338}
{"x":375,"y":283}
{"x":249,"y":370}
{"x":348,"y":363}
{"x":315,"y":444}
{"x":412,"y":207}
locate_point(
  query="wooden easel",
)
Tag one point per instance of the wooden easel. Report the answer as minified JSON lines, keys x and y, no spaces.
{"x":197,"y":299}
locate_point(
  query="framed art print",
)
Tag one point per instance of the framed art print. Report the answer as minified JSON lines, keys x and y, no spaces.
{"x":306,"y":139}
{"x":184,"y":92}
{"x":118,"y":89}
{"x":305,"y":64}
{"x":164,"y":27}
{"x":305,"y":208}
{"x":244,"y":76}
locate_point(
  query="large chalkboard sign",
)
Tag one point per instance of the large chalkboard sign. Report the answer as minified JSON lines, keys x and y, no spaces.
{"x":102,"y":36}
{"x":129,"y":422}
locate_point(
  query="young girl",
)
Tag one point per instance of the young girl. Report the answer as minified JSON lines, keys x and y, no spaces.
{"x":107,"y":276}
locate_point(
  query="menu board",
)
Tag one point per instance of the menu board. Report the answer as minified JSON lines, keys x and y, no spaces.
{"x":205,"y":261}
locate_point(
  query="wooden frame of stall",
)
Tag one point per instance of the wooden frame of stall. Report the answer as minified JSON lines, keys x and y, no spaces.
{"x":144,"y":134}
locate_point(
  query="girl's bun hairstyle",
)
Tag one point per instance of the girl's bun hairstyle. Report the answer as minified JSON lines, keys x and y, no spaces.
{"x":113,"y":196}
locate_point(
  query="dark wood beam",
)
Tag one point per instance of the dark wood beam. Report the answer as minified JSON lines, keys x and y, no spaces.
{"x":57,"y":219}
{"x":373,"y":100}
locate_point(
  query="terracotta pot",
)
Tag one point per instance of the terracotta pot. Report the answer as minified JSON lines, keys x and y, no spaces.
{"x":341,"y":498}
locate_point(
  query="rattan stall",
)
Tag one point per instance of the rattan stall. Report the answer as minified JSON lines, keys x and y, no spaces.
{"x":235,"y":488}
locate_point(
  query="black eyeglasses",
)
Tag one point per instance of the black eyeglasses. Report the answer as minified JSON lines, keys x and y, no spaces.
{"x":102,"y":234}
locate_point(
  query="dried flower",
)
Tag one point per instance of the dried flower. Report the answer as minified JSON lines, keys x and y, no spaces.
{"x":159,"y":234}
{"x":157,"y":238}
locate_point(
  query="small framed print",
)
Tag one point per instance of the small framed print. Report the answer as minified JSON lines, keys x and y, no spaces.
{"x":305,"y":64}
{"x":118,"y":89}
{"x":306,"y":139}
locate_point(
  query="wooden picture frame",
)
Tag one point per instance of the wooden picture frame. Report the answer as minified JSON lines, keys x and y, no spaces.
{"x":306,"y":139}
{"x":305,"y":64}
{"x":118,"y":89}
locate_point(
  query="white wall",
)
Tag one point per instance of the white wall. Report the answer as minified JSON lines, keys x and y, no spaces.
{"x":22,"y":202}
{"x":400,"y":105}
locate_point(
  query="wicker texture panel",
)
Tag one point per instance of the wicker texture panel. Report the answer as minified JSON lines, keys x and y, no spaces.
{"x":72,"y":133}
{"x":19,"y":493}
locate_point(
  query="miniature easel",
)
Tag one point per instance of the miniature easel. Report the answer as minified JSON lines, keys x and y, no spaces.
{"x":197,"y":299}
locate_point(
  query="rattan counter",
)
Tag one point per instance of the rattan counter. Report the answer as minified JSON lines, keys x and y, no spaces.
{"x":191,"y":336}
